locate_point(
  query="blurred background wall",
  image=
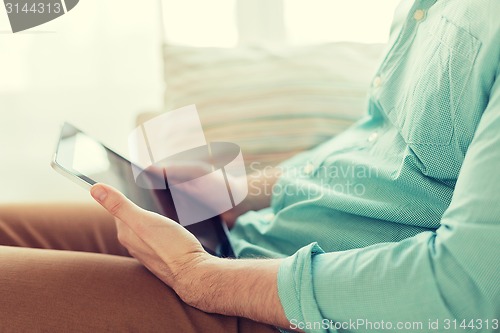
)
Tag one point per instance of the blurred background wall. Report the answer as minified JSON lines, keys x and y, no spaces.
{"x":100,"y":65}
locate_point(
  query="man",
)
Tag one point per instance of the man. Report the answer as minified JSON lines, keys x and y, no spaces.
{"x":393,"y":225}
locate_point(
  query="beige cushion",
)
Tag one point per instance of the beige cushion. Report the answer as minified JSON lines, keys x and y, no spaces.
{"x":273,"y":102}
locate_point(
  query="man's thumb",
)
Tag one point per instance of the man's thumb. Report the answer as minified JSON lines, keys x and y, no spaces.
{"x":113,"y":201}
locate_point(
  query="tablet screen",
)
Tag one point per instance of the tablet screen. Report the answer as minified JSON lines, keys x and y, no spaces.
{"x":92,"y":162}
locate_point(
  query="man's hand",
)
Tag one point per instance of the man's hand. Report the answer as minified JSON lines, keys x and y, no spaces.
{"x":244,"y":288}
{"x":166,"y":248}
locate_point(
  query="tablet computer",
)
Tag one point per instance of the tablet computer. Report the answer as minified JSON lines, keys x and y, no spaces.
{"x":86,"y":161}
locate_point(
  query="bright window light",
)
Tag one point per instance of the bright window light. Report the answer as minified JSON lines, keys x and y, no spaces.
{"x":200,"y":22}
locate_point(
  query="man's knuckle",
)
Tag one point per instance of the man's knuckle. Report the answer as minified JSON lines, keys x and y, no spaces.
{"x":115,"y":207}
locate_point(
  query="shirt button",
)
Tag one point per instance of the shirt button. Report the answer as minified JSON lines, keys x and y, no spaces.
{"x":419,"y":15}
{"x":268,"y":218}
{"x":377,"y":82}
{"x":373,"y":137}
{"x":308,"y":169}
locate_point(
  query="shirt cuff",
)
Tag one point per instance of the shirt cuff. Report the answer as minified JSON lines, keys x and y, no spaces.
{"x":295,"y":288}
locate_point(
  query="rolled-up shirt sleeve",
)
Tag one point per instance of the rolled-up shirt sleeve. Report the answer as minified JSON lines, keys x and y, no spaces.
{"x":435,"y":278}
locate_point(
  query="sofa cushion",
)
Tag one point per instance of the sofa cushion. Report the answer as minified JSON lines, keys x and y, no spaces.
{"x":273,"y":102}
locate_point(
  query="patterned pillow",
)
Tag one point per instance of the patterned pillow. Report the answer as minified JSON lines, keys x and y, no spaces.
{"x":273,"y":102}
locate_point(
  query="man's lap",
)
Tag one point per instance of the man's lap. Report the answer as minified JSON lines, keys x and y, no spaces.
{"x":78,"y":290}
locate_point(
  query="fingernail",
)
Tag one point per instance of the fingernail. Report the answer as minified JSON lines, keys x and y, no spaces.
{"x":98,"y":193}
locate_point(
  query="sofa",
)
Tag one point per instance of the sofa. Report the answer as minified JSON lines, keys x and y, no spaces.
{"x":272,"y":101}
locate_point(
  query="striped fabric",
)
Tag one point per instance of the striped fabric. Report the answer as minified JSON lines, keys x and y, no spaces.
{"x":272,"y":102}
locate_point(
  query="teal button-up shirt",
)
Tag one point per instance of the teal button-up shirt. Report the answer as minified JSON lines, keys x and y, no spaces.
{"x":397,"y":220}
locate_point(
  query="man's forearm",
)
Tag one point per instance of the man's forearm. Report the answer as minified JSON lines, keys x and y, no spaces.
{"x":244,"y":288}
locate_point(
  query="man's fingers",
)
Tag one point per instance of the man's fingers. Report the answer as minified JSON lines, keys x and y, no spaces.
{"x":158,"y":232}
{"x":115,"y":202}
{"x":142,"y":222}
